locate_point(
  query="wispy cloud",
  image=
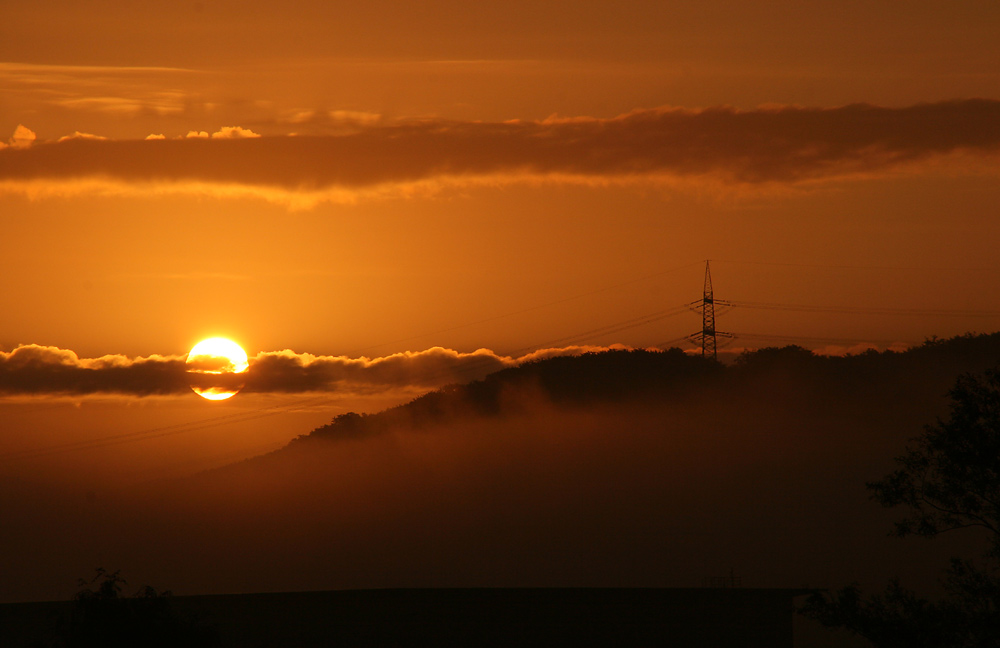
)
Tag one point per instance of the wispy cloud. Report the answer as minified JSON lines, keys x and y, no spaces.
{"x":35,"y":70}
{"x":117,"y":91}
{"x":775,"y":145}
{"x":51,"y":371}
{"x":329,"y":121}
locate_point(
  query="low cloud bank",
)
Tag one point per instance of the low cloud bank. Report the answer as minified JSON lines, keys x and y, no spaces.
{"x":46,"y":370}
{"x":786,"y":144}
{"x":36,"y":369}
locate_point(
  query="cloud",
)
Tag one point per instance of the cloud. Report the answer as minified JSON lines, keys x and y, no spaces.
{"x":118,"y":91}
{"x":354,"y":117}
{"x":233,"y":132}
{"x":36,"y":369}
{"x":23,"y":137}
{"x":79,"y":135}
{"x":46,"y":370}
{"x":773,"y":145}
{"x":226,"y":132}
{"x":330,"y":122}
{"x":118,"y":106}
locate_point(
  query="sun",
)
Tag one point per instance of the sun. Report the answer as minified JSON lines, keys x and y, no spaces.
{"x":213,"y":367}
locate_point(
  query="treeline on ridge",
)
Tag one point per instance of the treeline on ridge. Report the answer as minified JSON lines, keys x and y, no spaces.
{"x":780,"y":375}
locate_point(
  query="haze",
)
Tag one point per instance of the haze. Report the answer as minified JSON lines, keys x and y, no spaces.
{"x":380,"y":200}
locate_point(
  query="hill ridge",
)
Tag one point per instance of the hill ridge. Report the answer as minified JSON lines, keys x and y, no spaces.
{"x":633,"y":374}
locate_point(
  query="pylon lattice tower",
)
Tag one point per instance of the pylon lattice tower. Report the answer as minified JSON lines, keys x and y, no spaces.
{"x":708,"y":337}
{"x":708,"y":341}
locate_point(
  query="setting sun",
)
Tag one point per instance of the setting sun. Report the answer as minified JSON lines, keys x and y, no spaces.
{"x":211,"y":364}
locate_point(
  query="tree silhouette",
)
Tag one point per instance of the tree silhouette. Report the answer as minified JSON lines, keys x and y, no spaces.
{"x":103,"y":617}
{"x":948,"y":479}
{"x":951,"y":478}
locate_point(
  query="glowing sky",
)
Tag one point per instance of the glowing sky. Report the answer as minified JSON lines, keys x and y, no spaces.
{"x":322,"y":181}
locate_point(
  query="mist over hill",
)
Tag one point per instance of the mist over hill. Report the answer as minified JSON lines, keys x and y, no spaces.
{"x":786,"y":376}
{"x":625,"y":468}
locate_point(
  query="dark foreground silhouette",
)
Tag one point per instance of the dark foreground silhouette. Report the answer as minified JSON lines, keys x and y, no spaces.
{"x":681,"y":618}
{"x":101,"y":615}
{"x":947,"y":480}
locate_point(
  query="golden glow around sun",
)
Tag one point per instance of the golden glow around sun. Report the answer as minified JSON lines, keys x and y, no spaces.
{"x":212,"y":365}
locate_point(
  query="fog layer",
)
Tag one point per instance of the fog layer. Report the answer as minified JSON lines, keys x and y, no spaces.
{"x":615,"y":469}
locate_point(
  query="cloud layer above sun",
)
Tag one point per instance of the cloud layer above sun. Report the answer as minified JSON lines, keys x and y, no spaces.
{"x":765,"y":146}
{"x":46,"y":370}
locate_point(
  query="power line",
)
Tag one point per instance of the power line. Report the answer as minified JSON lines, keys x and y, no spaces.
{"x":829,"y":340}
{"x":242,"y":417}
{"x":708,"y":328}
{"x":556,"y":302}
{"x":857,"y":267}
{"x":164,"y":430}
{"x":610,"y":328}
{"x":858,"y":310}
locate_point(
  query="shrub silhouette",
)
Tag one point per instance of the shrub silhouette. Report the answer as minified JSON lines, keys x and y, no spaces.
{"x":103,"y":617}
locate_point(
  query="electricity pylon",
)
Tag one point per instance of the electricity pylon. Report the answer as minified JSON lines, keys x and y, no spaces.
{"x":708,"y":335}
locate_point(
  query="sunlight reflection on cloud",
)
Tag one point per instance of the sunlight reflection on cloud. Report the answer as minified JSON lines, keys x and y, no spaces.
{"x":763,"y":148}
{"x":47,"y":370}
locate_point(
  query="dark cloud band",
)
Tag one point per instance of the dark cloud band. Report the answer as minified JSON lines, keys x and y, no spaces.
{"x":782,"y":144}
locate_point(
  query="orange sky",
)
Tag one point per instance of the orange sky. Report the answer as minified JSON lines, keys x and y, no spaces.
{"x":508,"y":176}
